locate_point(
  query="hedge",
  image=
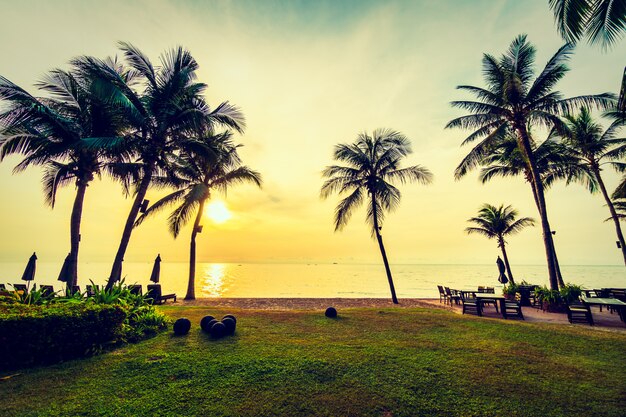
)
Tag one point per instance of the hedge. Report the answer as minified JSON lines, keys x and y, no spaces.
{"x":34,"y":335}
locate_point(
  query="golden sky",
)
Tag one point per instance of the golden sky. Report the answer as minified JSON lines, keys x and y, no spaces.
{"x":309,"y":75}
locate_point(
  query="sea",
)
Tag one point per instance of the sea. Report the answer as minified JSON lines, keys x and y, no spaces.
{"x":318,"y":280}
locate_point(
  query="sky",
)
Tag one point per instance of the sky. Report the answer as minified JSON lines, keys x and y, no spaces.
{"x":309,"y":75}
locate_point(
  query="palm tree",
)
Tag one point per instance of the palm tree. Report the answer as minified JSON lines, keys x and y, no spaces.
{"x":600,"y":21}
{"x":594,"y":147}
{"x":58,"y":132}
{"x":513,"y":100}
{"x":164,"y":113}
{"x":197,"y":176}
{"x":372,"y":165}
{"x":496,"y":223}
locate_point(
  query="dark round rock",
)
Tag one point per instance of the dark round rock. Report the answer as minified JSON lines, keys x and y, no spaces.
{"x":230,"y":316}
{"x":204,"y":323}
{"x":230,"y":325}
{"x":182,"y":326}
{"x":331,"y":312}
{"x":218,"y":330}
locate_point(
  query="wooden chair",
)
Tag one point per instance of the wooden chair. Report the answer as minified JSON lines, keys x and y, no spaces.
{"x":20,"y":287}
{"x":157,"y":297}
{"x":512,"y":309}
{"x":91,"y":290}
{"x":442,"y":294}
{"x":3,"y":287}
{"x":470,"y":303}
{"x":579,"y":313}
{"x":135,"y":289}
{"x":47,"y":291}
{"x":481,"y":289}
{"x":452,"y":295}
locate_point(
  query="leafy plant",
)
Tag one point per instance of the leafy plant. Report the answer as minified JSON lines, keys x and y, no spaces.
{"x":510,"y":289}
{"x":571,"y":292}
{"x":544,"y":294}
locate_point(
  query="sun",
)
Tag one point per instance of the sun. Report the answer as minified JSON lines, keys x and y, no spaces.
{"x":218,"y":212}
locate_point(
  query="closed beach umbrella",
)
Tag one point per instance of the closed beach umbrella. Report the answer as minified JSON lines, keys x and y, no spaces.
{"x":502,"y":269}
{"x":156,"y":270}
{"x":64,"y":275}
{"x":29,"y":272}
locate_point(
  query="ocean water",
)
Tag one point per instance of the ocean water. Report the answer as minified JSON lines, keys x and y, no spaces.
{"x":318,"y":280}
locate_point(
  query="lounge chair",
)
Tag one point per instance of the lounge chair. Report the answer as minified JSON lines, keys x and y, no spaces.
{"x":135,"y":289}
{"x":470,"y":303}
{"x":442,"y":294}
{"x":579,"y":313}
{"x":157,"y":297}
{"x":20,"y":287}
{"x":47,"y":291}
{"x":91,"y":290}
{"x":512,"y":309}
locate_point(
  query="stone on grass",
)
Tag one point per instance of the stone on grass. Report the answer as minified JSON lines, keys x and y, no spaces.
{"x":331,"y":312}
{"x":182,"y":326}
{"x":230,"y":325}
{"x":204,"y":323}
{"x":230,"y":316}
{"x":218,"y":330}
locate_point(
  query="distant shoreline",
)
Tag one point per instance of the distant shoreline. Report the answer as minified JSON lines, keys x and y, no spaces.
{"x":308,"y":303}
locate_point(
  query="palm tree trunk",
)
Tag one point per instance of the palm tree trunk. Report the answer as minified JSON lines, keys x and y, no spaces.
{"x":191,"y":286}
{"x":379,"y":238}
{"x":557,"y":268}
{"x":524,"y":143}
{"x":506,"y":260}
{"x":77,"y":213}
{"x":607,"y":198}
{"x":116,"y":270}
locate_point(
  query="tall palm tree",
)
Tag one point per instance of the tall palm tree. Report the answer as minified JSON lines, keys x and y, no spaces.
{"x":58,"y":132}
{"x":554,"y":162}
{"x":600,"y":21}
{"x":496,"y":223}
{"x":198,"y":176}
{"x":595,"y":147}
{"x":164,"y":113}
{"x":515,"y":99}
{"x":372,"y":165}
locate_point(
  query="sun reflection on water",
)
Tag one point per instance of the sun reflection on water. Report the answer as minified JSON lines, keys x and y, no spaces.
{"x":213,"y":282}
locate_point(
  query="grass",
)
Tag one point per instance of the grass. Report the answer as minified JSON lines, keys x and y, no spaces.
{"x":369,"y":362}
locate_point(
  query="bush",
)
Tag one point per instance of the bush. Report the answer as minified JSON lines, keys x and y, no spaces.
{"x":571,"y":292}
{"x":510,"y":289}
{"x":32,"y":334}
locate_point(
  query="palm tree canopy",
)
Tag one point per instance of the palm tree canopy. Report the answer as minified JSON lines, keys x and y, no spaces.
{"x":214,"y":167}
{"x":600,"y":21}
{"x":372,"y":165}
{"x":58,"y":131}
{"x":515,"y":98}
{"x":498,"y":222}
{"x":554,"y":162}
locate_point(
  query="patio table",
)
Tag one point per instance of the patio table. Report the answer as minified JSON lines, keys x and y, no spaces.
{"x":619,"y":305}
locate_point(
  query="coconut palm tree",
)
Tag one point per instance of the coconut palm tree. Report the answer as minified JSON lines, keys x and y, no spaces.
{"x":497,"y":223}
{"x":372,"y":164}
{"x":514,"y":100}
{"x":164,"y":113}
{"x":58,"y":132}
{"x":600,"y":21}
{"x":504,"y":159}
{"x":595,"y":147}
{"x":216,"y":168}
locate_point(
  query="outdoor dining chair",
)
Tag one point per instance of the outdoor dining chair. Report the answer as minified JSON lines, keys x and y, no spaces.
{"x":470,"y":303}
{"x":442,"y":294}
{"x":452,"y":295}
{"x":579,"y":313}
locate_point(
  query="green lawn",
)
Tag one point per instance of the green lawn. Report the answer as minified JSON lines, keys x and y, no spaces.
{"x":391,"y":362}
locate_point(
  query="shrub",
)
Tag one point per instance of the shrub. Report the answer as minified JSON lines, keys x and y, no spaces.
{"x":31,"y":334}
{"x":546,"y":295}
{"x":510,"y":289}
{"x":571,"y":292}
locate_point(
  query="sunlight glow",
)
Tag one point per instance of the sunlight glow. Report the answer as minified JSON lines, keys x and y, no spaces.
{"x":213,"y":283}
{"x":218,"y":212}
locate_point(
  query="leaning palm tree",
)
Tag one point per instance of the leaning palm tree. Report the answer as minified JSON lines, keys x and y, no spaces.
{"x":600,"y":21}
{"x":57,"y":132}
{"x":198,"y":176}
{"x":372,"y":165}
{"x":496,"y":223}
{"x":595,"y":147}
{"x":513,"y":100}
{"x":164,"y":113}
